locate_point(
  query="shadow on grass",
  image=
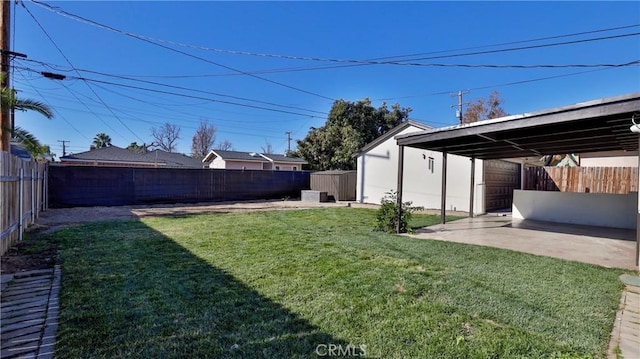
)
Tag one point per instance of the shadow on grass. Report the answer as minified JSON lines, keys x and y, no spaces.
{"x":130,"y":291}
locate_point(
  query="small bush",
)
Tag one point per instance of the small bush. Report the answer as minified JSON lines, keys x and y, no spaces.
{"x":387,"y":215}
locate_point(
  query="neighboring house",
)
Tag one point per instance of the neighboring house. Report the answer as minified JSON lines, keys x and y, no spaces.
{"x":121,"y":157}
{"x":609,"y":159}
{"x":238,"y":160}
{"x":377,"y":173}
{"x":18,"y":150}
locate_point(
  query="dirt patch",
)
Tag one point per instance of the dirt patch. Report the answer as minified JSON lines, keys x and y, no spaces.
{"x":30,"y":254}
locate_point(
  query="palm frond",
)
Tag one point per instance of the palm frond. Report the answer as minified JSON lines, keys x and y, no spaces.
{"x":29,"y":141}
{"x":33,"y":105}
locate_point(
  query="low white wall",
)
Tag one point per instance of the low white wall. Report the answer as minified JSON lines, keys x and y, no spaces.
{"x":593,"y":209}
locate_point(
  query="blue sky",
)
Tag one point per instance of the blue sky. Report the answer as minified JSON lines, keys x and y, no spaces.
{"x":255,"y":99}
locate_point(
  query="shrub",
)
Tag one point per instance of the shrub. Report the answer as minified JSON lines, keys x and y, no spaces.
{"x":387,"y":215}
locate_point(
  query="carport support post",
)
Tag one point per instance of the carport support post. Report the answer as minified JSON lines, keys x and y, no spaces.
{"x":399,"y":188}
{"x":472,"y":187}
{"x":443,"y":201}
{"x":638,"y":217}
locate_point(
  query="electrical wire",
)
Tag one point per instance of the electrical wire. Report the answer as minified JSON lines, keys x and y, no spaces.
{"x":155,"y":43}
{"x":55,"y":110}
{"x":180,"y":87}
{"x":70,"y":64}
{"x":185,"y":95}
{"x":159,"y":42}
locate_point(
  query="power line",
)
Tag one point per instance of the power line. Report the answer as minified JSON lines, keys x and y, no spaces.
{"x":499,"y":85}
{"x":70,"y":64}
{"x":153,"y":42}
{"x":158,"y":42}
{"x":185,"y":95}
{"x":122,"y":77}
{"x":62,"y":117}
{"x":365,"y":62}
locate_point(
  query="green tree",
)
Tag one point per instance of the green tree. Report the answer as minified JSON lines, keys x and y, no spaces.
{"x":9,"y":99}
{"x":349,"y":126}
{"x":101,"y":140}
{"x":31,"y":143}
{"x":134,"y":146}
{"x":484,"y":109}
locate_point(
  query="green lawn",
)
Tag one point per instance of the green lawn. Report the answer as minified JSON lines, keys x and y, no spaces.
{"x":277,"y":284}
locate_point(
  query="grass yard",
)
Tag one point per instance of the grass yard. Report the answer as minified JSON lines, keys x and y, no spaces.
{"x":278,"y":284}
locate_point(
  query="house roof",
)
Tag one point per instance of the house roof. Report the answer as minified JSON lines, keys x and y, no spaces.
{"x":251,"y":156}
{"x":283,"y":158}
{"x":173,"y":159}
{"x":234,"y":155}
{"x":392,"y":132}
{"x":599,"y":125}
{"x":20,"y":151}
{"x":123,"y":155}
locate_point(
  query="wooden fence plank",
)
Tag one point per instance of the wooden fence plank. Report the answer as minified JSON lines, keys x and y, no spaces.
{"x":620,"y":180}
{"x":17,"y":209}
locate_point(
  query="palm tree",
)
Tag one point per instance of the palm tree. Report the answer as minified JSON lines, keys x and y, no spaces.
{"x":31,"y":143}
{"x":102,"y":140}
{"x":9,"y":99}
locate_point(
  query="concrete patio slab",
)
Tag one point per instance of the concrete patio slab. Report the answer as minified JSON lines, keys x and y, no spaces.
{"x":608,"y":247}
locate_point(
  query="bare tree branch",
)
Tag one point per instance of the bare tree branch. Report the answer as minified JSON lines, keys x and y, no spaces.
{"x":166,"y":136}
{"x":203,"y":139}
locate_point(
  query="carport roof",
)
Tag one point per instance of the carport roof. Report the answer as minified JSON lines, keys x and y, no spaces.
{"x":599,"y":125}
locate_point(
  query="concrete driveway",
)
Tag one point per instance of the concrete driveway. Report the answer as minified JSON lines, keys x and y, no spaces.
{"x":607,"y":247}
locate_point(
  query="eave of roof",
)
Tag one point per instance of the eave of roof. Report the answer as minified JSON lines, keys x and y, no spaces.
{"x":392,"y":132}
{"x":597,"y":125}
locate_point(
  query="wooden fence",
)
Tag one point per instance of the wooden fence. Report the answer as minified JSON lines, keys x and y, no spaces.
{"x":620,"y":180}
{"x":23,"y":194}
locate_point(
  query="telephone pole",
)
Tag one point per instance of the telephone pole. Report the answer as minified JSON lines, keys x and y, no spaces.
{"x":460,"y":103}
{"x":64,"y":148}
{"x":5,"y":114}
{"x":288,"y":133}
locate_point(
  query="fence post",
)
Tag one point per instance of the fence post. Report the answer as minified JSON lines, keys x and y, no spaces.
{"x":33,"y":196}
{"x":20,"y":201}
{"x":45,"y":184}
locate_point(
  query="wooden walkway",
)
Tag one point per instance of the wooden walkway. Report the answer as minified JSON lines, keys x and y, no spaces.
{"x":29,"y":313}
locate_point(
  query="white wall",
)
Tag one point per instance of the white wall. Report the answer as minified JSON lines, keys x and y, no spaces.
{"x":593,"y":209}
{"x":219,"y":163}
{"x":285,"y":166}
{"x":609,"y":159}
{"x":378,"y":173}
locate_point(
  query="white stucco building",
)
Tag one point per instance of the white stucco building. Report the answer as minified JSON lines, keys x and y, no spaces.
{"x":377,"y":173}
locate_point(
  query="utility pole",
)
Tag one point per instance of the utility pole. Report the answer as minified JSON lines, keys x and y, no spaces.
{"x":5,"y":114}
{"x":288,"y":133}
{"x":64,"y":148}
{"x":460,"y":103}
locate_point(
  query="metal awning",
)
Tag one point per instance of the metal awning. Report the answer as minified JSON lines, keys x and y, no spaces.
{"x":600,"y":125}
